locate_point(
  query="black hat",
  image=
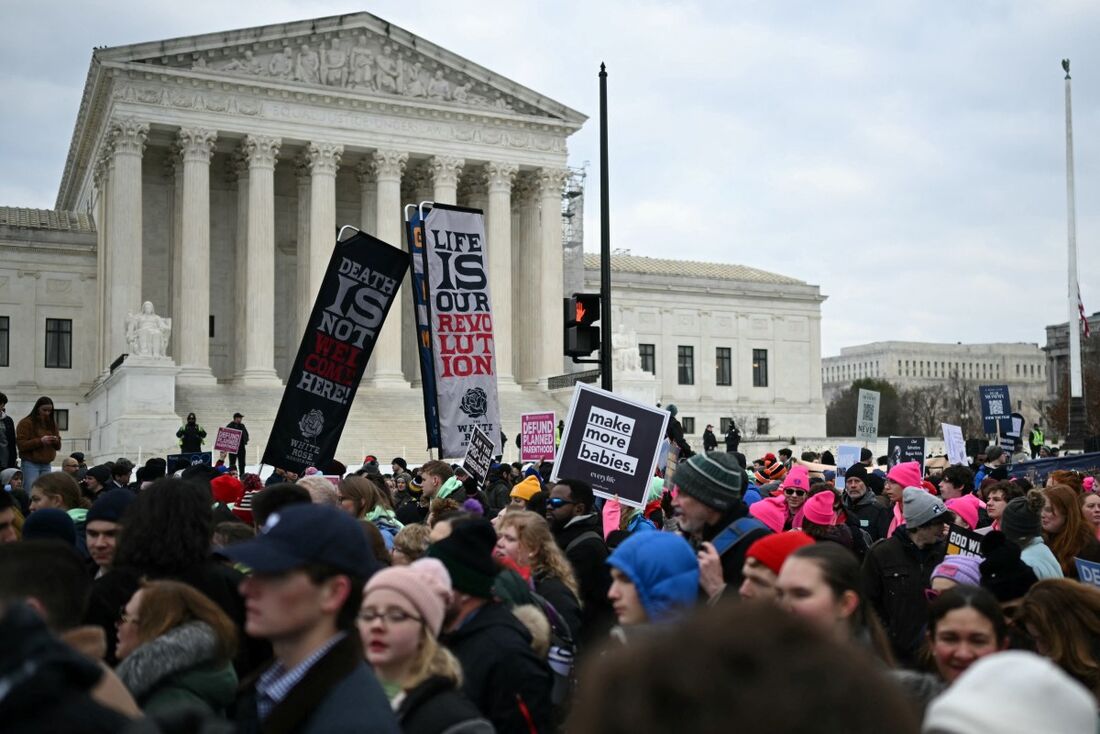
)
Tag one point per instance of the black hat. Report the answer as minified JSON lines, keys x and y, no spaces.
{"x":468,"y":555}
{"x":866,"y":454}
{"x":110,"y":506}
{"x":238,"y":415}
{"x":715,"y":479}
{"x":1021,"y":518}
{"x":50,"y":523}
{"x":100,"y":473}
{"x":859,"y":471}
{"x":875,"y":483}
{"x":1003,"y":572}
{"x":78,"y":455}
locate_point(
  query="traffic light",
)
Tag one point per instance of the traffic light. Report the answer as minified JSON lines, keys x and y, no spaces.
{"x":581,"y":337}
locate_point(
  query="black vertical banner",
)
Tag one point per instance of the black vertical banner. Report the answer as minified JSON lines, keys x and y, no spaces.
{"x":355,"y":296}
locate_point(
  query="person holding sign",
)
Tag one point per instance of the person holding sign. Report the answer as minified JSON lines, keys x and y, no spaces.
{"x":1065,"y":530}
{"x":238,"y":459}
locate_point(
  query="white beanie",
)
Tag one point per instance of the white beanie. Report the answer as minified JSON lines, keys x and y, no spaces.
{"x":1013,"y":692}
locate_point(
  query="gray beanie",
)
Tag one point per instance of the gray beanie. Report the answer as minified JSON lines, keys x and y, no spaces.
{"x":715,"y":479}
{"x":1021,"y":517}
{"x":920,"y":508}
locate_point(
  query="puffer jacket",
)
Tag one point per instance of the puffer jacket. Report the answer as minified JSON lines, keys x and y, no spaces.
{"x":664,"y":569}
{"x":180,"y":667}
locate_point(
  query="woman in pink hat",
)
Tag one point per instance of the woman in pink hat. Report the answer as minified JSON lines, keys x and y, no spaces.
{"x":905,"y":474}
{"x":795,"y":489}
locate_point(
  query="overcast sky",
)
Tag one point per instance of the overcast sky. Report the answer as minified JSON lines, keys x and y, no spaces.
{"x":908,"y":157}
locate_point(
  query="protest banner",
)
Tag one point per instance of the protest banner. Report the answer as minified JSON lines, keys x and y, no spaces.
{"x":867,"y":415}
{"x":954,"y":443}
{"x":175,"y":462}
{"x":996,"y":409}
{"x":1037,"y":470}
{"x":355,"y":296}
{"x":963,"y":542}
{"x":536,"y":441}
{"x":612,"y":443}
{"x":845,"y":457}
{"x":905,"y":448}
{"x":461,"y":319}
{"x":228,"y":440}
{"x":1012,"y":436}
{"x":479,"y":455}
{"x":1088,"y":572}
{"x":414,"y":234}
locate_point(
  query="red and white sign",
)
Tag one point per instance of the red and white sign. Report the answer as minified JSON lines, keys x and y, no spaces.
{"x":228,"y":440}
{"x":536,"y":442}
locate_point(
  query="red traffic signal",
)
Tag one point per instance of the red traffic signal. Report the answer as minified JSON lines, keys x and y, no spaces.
{"x":581,"y":311}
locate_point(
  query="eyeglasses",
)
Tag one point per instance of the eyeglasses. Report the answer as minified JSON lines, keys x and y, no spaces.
{"x":555,"y":502}
{"x":932,"y":594}
{"x":390,"y":616}
{"x":792,"y":492}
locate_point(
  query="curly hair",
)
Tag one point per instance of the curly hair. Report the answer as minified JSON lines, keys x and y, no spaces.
{"x":167,"y":530}
{"x":1076,"y":534}
{"x":547,"y":557}
{"x":1064,"y":617}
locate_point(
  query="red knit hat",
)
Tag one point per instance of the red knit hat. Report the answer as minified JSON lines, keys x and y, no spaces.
{"x":772,"y":550}
{"x":227,"y":489}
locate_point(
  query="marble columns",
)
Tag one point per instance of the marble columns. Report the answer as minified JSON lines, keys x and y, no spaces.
{"x":324,"y":159}
{"x":123,"y":267}
{"x":261,"y":152}
{"x":384,"y":368}
{"x":549,"y":360}
{"x":498,"y":232}
{"x":526,"y":294}
{"x":196,"y":147}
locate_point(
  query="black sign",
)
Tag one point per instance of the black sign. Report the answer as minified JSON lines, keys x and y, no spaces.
{"x":996,"y":408}
{"x":963,"y":542}
{"x":905,"y":448}
{"x":356,"y":294}
{"x":479,"y":455}
{"x":176,"y":462}
{"x":611,"y":443}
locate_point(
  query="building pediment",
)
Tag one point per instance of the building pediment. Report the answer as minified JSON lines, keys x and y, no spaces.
{"x":357,"y":53}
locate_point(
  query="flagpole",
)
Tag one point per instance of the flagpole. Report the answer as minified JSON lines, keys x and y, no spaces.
{"x":1075,"y":437}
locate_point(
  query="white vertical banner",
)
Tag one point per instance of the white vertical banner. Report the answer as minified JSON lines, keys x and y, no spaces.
{"x":462,"y":327}
{"x":954,"y":442}
{"x":867,"y":415}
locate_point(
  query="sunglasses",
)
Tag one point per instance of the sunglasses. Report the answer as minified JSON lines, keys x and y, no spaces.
{"x":792,"y":492}
{"x":556,"y":502}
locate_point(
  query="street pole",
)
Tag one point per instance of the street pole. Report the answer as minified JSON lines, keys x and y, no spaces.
{"x":605,"y":243}
{"x":1075,"y":435}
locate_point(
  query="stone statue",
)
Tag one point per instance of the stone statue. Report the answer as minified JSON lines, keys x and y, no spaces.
{"x":282,"y":65}
{"x":362,"y":68}
{"x":624,"y":350}
{"x":307,"y":68}
{"x":462,"y":93}
{"x":146,"y":333}
{"x":334,"y":65}
{"x":415,"y":87}
{"x":249,"y":64}
{"x":440,"y":88}
{"x":385,"y":74}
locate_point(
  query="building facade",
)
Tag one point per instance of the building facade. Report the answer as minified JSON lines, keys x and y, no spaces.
{"x":908,"y":365}
{"x":1057,"y":353}
{"x":723,"y":341}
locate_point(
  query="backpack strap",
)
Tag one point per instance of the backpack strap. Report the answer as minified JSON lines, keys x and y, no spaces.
{"x":586,"y":535}
{"x":742,"y":527}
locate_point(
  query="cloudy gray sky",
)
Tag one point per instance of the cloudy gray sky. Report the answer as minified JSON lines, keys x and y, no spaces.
{"x":908,"y":157}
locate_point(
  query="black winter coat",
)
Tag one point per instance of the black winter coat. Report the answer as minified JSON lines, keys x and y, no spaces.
{"x":564,"y":601}
{"x":589,"y":560}
{"x":895,"y":574}
{"x":7,"y":425}
{"x":710,"y":443}
{"x":436,"y":706}
{"x":869,"y":514}
{"x":502,"y":675}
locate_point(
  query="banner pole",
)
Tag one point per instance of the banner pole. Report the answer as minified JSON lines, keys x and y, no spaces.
{"x":605,"y":243}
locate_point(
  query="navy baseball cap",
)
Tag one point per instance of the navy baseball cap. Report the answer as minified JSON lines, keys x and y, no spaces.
{"x":299,"y":535}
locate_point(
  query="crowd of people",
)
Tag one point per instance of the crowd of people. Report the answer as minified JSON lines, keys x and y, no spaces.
{"x":774,"y":594}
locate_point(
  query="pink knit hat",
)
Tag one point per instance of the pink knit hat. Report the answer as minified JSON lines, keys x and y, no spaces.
{"x":772,"y":511}
{"x":965,"y":509}
{"x":425,"y":584}
{"x":798,"y":477}
{"x":907,"y":474}
{"x":819,"y":508}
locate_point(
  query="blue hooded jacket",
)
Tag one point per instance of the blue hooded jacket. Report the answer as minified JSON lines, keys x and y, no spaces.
{"x":664,"y":570}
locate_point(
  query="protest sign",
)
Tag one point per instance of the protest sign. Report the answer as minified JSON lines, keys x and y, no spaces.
{"x":1037,"y":470}
{"x":479,"y":455}
{"x":1088,"y":572}
{"x":175,"y":462}
{"x":963,"y":542}
{"x":536,"y":437}
{"x":867,"y":415}
{"x":414,"y":234}
{"x":954,"y":443}
{"x":905,"y":448}
{"x":612,"y":443}
{"x":355,"y":296}
{"x":845,"y":457}
{"x":461,"y":321}
{"x":996,"y":408}
{"x":228,"y":440}
{"x":1009,"y":437}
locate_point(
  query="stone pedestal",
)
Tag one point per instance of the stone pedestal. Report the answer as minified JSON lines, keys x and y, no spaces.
{"x":641,"y":387}
{"x":133,"y":410}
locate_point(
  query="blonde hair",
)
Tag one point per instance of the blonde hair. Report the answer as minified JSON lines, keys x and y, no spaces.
{"x":432,"y":660}
{"x":546,"y":557}
{"x":321,"y":491}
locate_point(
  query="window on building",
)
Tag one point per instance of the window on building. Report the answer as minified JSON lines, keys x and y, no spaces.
{"x":61,"y":417}
{"x":760,"y":368}
{"x":59,"y":343}
{"x":5,"y":339}
{"x":685,"y":365}
{"x":689,"y":425}
{"x":724,"y":425}
{"x":723,"y":366}
{"x":648,"y":355}
{"x":1017,"y":370}
{"x":762,"y":426}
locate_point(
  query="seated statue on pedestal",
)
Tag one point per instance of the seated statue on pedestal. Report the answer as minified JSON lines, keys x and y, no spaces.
{"x":624,"y":348}
{"x":146,"y":333}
